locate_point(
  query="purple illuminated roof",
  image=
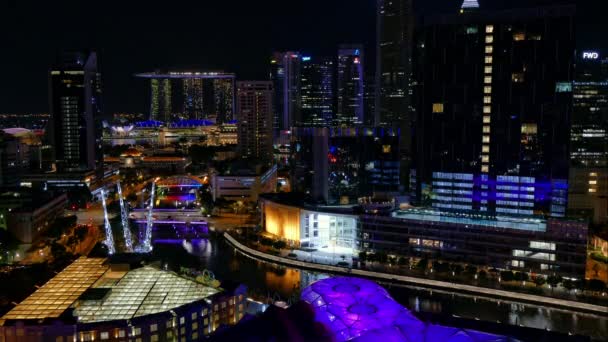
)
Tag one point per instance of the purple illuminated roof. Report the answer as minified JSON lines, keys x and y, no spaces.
{"x":361,"y":310}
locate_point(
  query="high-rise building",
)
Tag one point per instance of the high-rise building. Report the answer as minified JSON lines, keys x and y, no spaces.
{"x":191,"y":95}
{"x":493,"y":110}
{"x":74,"y":128}
{"x":350,"y":91}
{"x":160,"y":99}
{"x":394,"y":31}
{"x":254,"y":116}
{"x":193,"y":98}
{"x":589,"y":136}
{"x":317,"y":91}
{"x":285,"y":75}
{"x":338,"y":165}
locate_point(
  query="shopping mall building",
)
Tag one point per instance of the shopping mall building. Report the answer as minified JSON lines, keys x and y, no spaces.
{"x":94,"y":300}
{"x":523,"y":243}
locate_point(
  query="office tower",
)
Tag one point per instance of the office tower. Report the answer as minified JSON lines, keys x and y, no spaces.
{"x":285,"y":76}
{"x":338,"y":165}
{"x":191,"y":95}
{"x":193,"y":98}
{"x":350,"y":86}
{"x":317,"y":91}
{"x":223,"y":90}
{"x":492,"y":120}
{"x":74,"y":128}
{"x":589,"y":138}
{"x":394,"y":22}
{"x":160,"y":99}
{"x":254,"y":116}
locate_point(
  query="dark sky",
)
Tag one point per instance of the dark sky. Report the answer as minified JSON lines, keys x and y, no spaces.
{"x":233,"y":35}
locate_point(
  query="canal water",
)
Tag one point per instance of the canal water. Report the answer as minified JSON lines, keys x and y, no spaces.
{"x":269,"y":281}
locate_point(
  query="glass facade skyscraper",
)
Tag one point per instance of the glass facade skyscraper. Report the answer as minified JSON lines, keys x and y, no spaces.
{"x":350,"y":88}
{"x":317,"y":91}
{"x":74,"y":128}
{"x":589,"y":138}
{"x":254,"y":115}
{"x":285,"y":76}
{"x":493,"y":113}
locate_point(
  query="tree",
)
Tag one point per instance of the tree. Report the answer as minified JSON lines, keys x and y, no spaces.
{"x":403,"y":261}
{"x":483,"y":275}
{"x":422,"y":264}
{"x":58,"y":250}
{"x":539,"y":280}
{"x":381,"y":257}
{"x":595,"y":285}
{"x":569,"y":284}
{"x":362,"y":256}
{"x":280,"y":244}
{"x":554,"y":280}
{"x":470,"y":269}
{"x":81,"y":233}
{"x":521,"y":276}
{"x":507,"y":276}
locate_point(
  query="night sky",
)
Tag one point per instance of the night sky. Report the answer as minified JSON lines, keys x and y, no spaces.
{"x":233,"y":35}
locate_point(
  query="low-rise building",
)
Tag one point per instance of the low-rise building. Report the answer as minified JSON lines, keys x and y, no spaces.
{"x":244,"y":185}
{"x":94,"y":300}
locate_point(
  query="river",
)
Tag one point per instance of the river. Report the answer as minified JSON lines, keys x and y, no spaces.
{"x":266,"y":280}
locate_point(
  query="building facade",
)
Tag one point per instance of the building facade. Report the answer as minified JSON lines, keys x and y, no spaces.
{"x":493,"y":111}
{"x":317,"y":91}
{"x":350,"y":87}
{"x":254,"y":110}
{"x":74,"y":128}
{"x":191,"y":95}
{"x":244,"y":187}
{"x":285,"y":74}
{"x":340,"y":164}
{"x":589,"y":137}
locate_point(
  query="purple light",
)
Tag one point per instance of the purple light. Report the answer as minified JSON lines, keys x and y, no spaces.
{"x":355,"y":308}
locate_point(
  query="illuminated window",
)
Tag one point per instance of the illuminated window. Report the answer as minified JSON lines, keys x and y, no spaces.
{"x":486,"y":129}
{"x":487,"y":80}
{"x":592,"y":190}
{"x":593,"y":174}
{"x":485,"y":149}
{"x":487,"y":99}
{"x":529,"y":128}
{"x":519,"y":36}
{"x":485,"y":158}
{"x":437,"y":107}
{"x":487,"y":90}
{"x":485,"y":139}
{"x":489,"y":49}
{"x":535,"y":37}
{"x":386,"y":148}
{"x":486,"y":119}
{"x":489,"y":39}
{"x":488,"y":59}
{"x":489,"y":28}
{"x":487,"y":109}
{"x":487,"y":69}
{"x":485,"y":168}
{"x":517,"y":77}
{"x":592,"y":182}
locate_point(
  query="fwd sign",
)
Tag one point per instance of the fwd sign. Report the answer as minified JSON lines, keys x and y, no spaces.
{"x":590,"y":55}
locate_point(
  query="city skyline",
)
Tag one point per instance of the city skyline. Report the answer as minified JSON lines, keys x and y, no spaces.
{"x":126,"y":41}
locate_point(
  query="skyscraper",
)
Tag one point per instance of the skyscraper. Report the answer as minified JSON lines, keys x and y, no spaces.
{"x":589,"y":136}
{"x":350,"y":90}
{"x":492,"y":110}
{"x":317,"y":91}
{"x":254,"y":115}
{"x":191,"y":95}
{"x":74,"y":128}
{"x":285,"y":75}
{"x":394,"y":22}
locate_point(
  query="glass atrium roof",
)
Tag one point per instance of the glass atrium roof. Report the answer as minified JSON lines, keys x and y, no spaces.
{"x":54,"y":297}
{"x":140,"y":292}
{"x":360,"y":310}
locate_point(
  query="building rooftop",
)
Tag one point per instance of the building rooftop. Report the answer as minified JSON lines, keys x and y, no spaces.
{"x":98,"y":293}
{"x":475,"y":219}
{"x":187,"y":74}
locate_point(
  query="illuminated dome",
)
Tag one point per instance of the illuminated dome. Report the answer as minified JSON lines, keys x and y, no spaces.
{"x":17,"y":131}
{"x":191,"y":123}
{"x":123,"y":129}
{"x":360,"y":310}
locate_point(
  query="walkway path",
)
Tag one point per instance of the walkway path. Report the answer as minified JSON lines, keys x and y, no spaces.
{"x":426,"y":283}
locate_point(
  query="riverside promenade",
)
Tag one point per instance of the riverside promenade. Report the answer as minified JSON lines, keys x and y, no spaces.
{"x":425,"y":283}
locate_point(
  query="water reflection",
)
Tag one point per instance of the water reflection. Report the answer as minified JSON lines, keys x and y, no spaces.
{"x":267,"y":280}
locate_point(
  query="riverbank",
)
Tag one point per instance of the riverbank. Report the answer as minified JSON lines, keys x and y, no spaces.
{"x":425,"y":283}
